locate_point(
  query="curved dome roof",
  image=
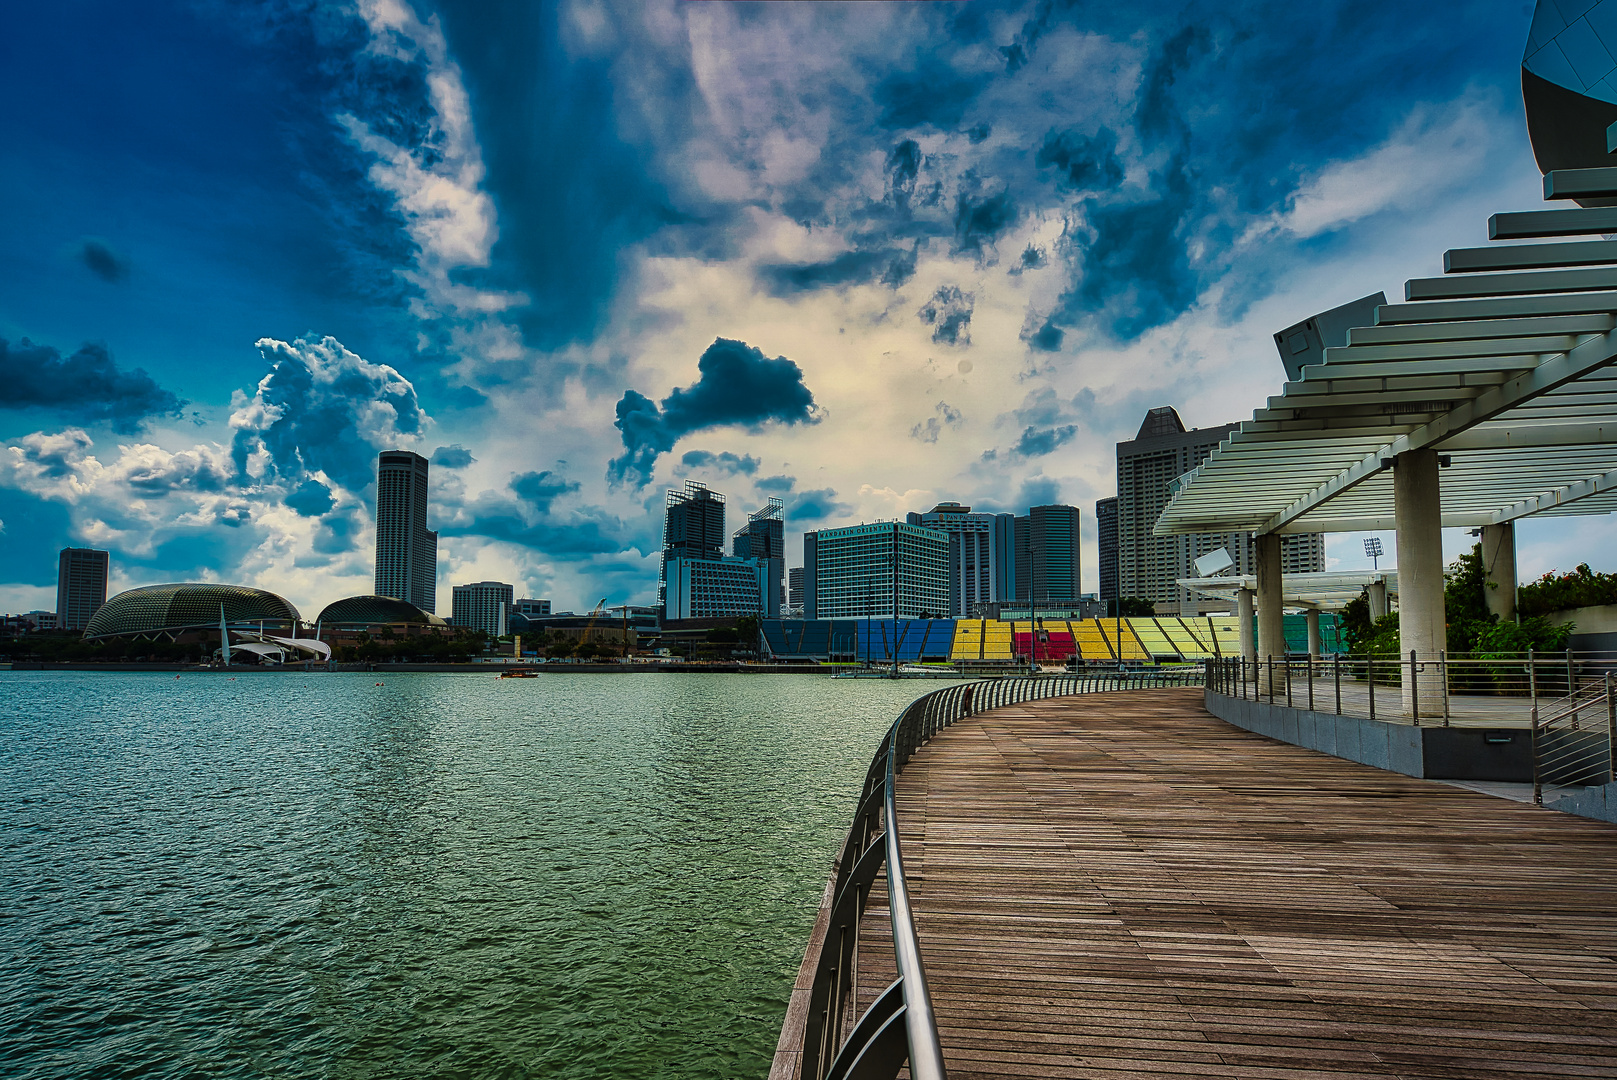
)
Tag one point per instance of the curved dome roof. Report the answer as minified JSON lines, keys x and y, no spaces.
{"x":186,"y":606}
{"x":375,"y":611}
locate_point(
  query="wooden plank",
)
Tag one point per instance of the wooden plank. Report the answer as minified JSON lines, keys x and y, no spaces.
{"x":1121,"y":885}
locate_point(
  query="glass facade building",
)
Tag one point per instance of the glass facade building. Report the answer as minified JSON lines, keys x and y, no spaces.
{"x":1106,"y":547}
{"x":763,"y":537}
{"x":891,"y":568}
{"x":693,"y":528}
{"x":982,"y":564}
{"x":483,"y":605}
{"x":406,"y":551}
{"x":1048,"y":564}
{"x":81,"y":586}
{"x":722,"y":588}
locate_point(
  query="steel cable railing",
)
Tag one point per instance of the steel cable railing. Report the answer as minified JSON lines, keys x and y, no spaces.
{"x":1574,"y":739}
{"x":899,"y":1025}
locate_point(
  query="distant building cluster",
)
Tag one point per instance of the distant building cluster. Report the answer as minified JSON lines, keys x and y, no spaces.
{"x":944,"y":563}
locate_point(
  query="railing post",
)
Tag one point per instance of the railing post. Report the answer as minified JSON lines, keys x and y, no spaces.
{"x":1414,"y":692}
{"x":1443,"y":668}
{"x":1370,"y":669}
{"x":1611,"y":733}
{"x":1338,"y":666}
{"x":1310,"y":684}
{"x":1571,"y":675}
{"x":1532,"y":680}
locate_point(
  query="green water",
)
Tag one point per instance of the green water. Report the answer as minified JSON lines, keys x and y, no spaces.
{"x":441,"y":876}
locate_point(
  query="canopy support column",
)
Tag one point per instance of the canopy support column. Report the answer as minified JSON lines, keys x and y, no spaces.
{"x":1316,"y":645}
{"x":1499,"y":569}
{"x":1377,"y":591}
{"x":1243,"y":609}
{"x":1271,"y":597}
{"x":1422,"y":625}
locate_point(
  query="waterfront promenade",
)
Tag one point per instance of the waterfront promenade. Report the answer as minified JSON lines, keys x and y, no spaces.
{"x":1121,"y":885}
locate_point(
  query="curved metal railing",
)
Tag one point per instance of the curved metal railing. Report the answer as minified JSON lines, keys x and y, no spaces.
{"x":899,"y":1026}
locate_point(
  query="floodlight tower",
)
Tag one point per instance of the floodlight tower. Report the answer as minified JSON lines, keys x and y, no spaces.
{"x":1372,"y":548}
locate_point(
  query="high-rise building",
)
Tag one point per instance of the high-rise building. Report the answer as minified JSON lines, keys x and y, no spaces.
{"x":693,"y":528}
{"x":887,"y":569}
{"x":794,"y":588}
{"x":1047,"y":556}
{"x":982,"y":565}
{"x":722,"y":588}
{"x":1106,"y":546}
{"x":81,"y":586}
{"x":1149,"y":566}
{"x":483,"y":605}
{"x":763,"y":538}
{"x":406,"y":551}
{"x":528,"y":606}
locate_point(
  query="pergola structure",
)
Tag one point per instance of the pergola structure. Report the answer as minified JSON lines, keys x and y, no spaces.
{"x":1488,"y":397}
{"x":1331,"y":590}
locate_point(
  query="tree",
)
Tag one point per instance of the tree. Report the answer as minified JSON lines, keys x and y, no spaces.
{"x":1130,"y":607}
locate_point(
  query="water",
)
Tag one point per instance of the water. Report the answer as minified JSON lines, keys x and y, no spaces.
{"x":442,"y":876}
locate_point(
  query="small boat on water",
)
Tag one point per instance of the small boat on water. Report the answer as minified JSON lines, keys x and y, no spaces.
{"x":518,"y":673}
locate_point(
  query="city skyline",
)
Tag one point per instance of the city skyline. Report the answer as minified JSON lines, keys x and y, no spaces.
{"x":254,"y":248}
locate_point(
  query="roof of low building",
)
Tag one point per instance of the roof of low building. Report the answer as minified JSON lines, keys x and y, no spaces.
{"x":371,"y":610}
{"x":182,"y":606}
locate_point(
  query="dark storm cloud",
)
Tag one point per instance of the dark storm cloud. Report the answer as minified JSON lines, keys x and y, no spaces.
{"x":979,"y":219}
{"x":1083,"y":162}
{"x":890,"y":266}
{"x":452,"y":457}
{"x":102,"y":261}
{"x":818,"y":504}
{"x":903,"y":165}
{"x":1039,"y":441}
{"x":724,"y":462}
{"x":949,"y":315}
{"x":932,"y":93}
{"x":311,"y":499}
{"x":86,"y":387}
{"x":738,"y":384}
{"x":1158,"y":115}
{"x":776,"y":484}
{"x":525,"y":513}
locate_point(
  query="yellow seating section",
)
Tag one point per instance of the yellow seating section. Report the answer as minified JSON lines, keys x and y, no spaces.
{"x":968,"y":639}
{"x":1156,"y":643}
{"x":1227,"y":631}
{"x":998,"y":644}
{"x":1191,"y":638}
{"x":1092,"y":644}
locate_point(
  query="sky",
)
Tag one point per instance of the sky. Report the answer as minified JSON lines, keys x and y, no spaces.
{"x":863,"y":257}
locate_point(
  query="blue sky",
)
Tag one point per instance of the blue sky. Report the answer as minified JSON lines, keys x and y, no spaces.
{"x":863,"y":257}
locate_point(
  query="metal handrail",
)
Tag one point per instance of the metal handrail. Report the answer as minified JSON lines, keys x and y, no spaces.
{"x":900,"y":1025}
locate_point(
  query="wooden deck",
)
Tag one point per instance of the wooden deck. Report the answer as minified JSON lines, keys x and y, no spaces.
{"x":1121,"y":885}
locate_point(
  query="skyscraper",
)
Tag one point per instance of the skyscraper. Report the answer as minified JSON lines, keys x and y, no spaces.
{"x":763,"y":537}
{"x":982,"y":568}
{"x":886,"y":569}
{"x":1047,"y":556}
{"x":1149,"y":566}
{"x":406,"y":552}
{"x":693,"y":528}
{"x":81,"y":586}
{"x":482,"y":605}
{"x":1106,"y":546}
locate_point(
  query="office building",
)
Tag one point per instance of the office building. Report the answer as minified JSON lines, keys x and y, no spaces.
{"x":693,"y":528}
{"x":722,"y":588}
{"x":1047,"y":556}
{"x":982,"y":564}
{"x":763,"y":538}
{"x":1106,"y":547}
{"x":1149,"y":566}
{"x":406,"y":552}
{"x":483,"y":605}
{"x":794,"y":588}
{"x":81,"y":586}
{"x":889,"y":568}
{"x":528,"y":607}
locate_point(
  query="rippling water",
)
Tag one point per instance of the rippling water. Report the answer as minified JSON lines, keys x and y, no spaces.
{"x":445,"y":875}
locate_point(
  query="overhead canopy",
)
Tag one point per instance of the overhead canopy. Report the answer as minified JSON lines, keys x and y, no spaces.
{"x":1503,"y":366}
{"x":1329,"y":591}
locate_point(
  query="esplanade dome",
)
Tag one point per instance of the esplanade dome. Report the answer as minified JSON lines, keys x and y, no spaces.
{"x":375,"y":611}
{"x":175,"y":609}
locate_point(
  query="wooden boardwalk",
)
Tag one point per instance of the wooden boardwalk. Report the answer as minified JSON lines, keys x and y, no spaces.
{"x":1121,"y":885}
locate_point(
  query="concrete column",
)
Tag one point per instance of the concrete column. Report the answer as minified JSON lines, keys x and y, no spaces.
{"x":1378,"y":598}
{"x":1499,"y":567}
{"x":1243,"y":612}
{"x":1271,"y":597}
{"x":1316,"y":643}
{"x":1421,"y":621}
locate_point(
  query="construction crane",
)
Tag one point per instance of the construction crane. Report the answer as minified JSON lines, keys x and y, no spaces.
{"x":589,"y":627}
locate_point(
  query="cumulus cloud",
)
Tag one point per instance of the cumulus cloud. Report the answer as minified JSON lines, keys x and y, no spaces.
{"x":316,"y":406}
{"x":105,"y":263}
{"x":816,"y":505}
{"x":738,"y":384}
{"x":1036,"y":442}
{"x":949,"y":315}
{"x":723,"y":462}
{"x":525,"y":513}
{"x":86,"y":386}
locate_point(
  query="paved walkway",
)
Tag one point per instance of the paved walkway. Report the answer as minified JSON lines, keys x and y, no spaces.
{"x":1121,"y":885}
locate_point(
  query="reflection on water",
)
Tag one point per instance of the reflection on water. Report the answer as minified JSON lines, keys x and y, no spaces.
{"x":446,"y":875}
